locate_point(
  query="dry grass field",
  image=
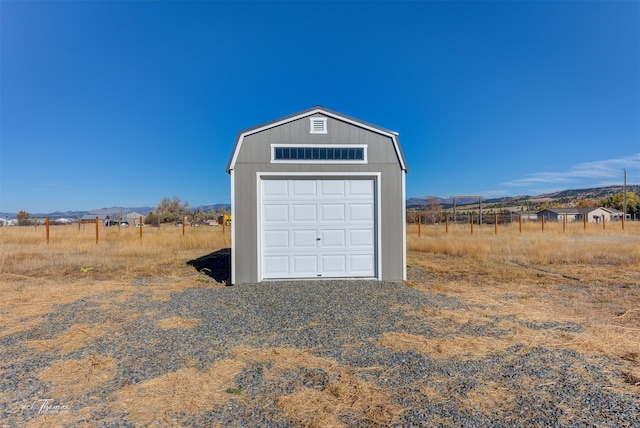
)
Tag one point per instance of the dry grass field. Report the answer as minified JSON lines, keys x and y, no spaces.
{"x":517,"y":281}
{"x":590,"y":277}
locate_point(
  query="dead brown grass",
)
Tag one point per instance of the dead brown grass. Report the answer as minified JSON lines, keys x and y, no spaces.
{"x":34,"y":276}
{"x":184,"y":391}
{"x":322,"y":406}
{"x":511,"y":280}
{"x":588,"y":279}
{"x":76,"y":337}
{"x":177,"y":322}
{"x":189,"y":390}
{"x":73,"y":254}
{"x":460,"y":346}
{"x":72,"y":378}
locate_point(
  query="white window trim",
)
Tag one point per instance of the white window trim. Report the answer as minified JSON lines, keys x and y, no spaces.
{"x":320,"y":161}
{"x":313,"y":119}
{"x":377,"y":179}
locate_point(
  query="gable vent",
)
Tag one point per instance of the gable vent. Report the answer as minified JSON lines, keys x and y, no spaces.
{"x":318,"y":125}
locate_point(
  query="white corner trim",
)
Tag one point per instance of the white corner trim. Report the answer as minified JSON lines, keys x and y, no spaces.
{"x":233,"y":229}
{"x":404,"y":225}
{"x":259,"y":227}
{"x":377,"y":181}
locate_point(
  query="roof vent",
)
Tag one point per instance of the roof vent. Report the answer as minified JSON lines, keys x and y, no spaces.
{"x":318,"y":125}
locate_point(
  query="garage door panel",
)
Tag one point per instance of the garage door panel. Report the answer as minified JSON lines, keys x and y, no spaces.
{"x":273,"y":213}
{"x":303,"y":188}
{"x":332,"y":188}
{"x":304,"y":213}
{"x":276,"y":266}
{"x":275,"y":188}
{"x":361,"y":238}
{"x":305,"y":265}
{"x":361,"y":188}
{"x":276,"y":239}
{"x":335,"y":239}
{"x":361,"y":263}
{"x":332,"y":213}
{"x":305,"y":239}
{"x":334,"y":265}
{"x":360,"y":213}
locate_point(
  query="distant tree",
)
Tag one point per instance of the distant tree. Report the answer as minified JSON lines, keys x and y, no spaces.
{"x":152,"y":218}
{"x":212,"y":214}
{"x":222,"y":210}
{"x":433,"y":211}
{"x":589,"y":203}
{"x":617,"y":202}
{"x":23,"y":218}
{"x":200,"y":216}
{"x":170,"y":210}
{"x":413,"y":216}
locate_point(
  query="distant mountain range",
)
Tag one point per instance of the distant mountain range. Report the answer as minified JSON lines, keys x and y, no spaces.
{"x":565,"y":197}
{"x":112,"y":211}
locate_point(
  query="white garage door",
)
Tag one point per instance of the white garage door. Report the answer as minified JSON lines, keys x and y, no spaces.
{"x":318,"y":228}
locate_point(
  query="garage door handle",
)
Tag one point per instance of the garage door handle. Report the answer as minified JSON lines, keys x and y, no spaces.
{"x":317,"y":239}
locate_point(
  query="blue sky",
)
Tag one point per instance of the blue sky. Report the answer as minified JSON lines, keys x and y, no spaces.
{"x":121,"y":103}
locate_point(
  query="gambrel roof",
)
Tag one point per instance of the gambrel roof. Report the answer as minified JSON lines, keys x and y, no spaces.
{"x":310,"y":112}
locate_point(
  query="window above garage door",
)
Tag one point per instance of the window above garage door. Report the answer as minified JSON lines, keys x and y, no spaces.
{"x":308,"y":153}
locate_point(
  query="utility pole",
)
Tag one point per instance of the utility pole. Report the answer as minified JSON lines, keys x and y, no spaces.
{"x":624,"y":195}
{"x":468,"y":197}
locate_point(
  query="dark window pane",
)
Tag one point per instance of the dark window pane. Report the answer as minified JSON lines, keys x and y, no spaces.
{"x":319,"y":153}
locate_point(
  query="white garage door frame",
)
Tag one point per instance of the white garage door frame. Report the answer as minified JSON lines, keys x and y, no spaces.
{"x":375,"y":176}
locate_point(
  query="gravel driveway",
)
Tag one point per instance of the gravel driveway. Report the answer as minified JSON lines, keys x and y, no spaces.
{"x":324,"y":352}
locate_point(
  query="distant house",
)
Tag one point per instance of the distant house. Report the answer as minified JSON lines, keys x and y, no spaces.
{"x":90,"y":218}
{"x":526,"y":215}
{"x":133,"y":218}
{"x":593,"y":215}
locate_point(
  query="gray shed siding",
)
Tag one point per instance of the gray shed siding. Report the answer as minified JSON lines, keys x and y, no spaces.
{"x":254,"y":157}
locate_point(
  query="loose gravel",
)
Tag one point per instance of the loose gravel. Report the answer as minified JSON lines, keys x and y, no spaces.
{"x":335,"y":321}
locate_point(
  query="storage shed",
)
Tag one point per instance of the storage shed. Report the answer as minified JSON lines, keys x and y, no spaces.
{"x":317,"y":195}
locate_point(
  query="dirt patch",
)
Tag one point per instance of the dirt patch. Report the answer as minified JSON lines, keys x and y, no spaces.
{"x":177,"y":322}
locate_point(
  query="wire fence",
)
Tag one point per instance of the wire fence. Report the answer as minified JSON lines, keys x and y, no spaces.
{"x":511,"y":220}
